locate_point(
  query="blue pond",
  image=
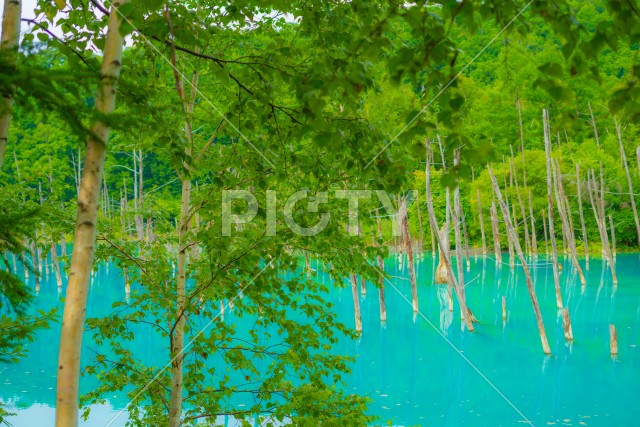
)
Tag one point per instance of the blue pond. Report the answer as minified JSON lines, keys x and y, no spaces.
{"x":426,"y":369}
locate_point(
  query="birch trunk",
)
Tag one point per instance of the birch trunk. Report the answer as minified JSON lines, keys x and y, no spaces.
{"x":85,"y":232}
{"x":530,"y":286}
{"x":552,"y":236}
{"x":177,"y":340}
{"x":8,"y":45}
{"x":623,"y":157}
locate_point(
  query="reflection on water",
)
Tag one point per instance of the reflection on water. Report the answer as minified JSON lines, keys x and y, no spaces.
{"x":412,"y":375}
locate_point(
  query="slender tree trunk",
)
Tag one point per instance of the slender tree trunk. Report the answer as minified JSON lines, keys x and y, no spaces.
{"x":593,"y":124}
{"x":567,"y":225}
{"x":496,"y":233}
{"x":177,"y":340}
{"x":381,"y":299}
{"x":8,"y":46}
{"x":466,"y":239}
{"x":552,"y":236}
{"x":457,"y":217}
{"x":481,"y":221}
{"x":529,"y":281}
{"x":409,"y":249}
{"x":534,"y":238}
{"x":544,"y":230}
{"x":601,"y":221}
{"x":613,"y":238}
{"x":85,"y":233}
{"x":356,"y":303}
{"x":523,"y":212}
{"x":623,"y":157}
{"x":582,"y":224}
{"x":468,"y":315}
{"x":56,"y":265}
{"x":420,"y":222}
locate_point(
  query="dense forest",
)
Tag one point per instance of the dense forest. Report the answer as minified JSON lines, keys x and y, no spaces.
{"x":196,"y":146}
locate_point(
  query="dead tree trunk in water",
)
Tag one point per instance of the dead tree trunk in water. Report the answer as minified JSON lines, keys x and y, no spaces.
{"x":530,"y":286}
{"x":613,"y":238}
{"x":534,"y":238}
{"x":381,"y":299}
{"x":552,"y":236}
{"x":496,"y":233}
{"x":356,"y":303}
{"x":481,"y":221}
{"x":584,"y":228}
{"x":457,"y":218}
{"x":567,"y":225}
{"x":523,"y":212}
{"x":407,"y":242}
{"x":601,"y":221}
{"x":468,"y":315}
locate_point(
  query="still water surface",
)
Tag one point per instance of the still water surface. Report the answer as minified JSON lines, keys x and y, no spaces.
{"x":427,"y":370}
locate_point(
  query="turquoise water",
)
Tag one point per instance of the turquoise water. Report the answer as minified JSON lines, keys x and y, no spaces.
{"x":426,"y":370}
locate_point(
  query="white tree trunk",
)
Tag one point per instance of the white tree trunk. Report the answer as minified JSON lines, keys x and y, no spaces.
{"x":85,"y":232}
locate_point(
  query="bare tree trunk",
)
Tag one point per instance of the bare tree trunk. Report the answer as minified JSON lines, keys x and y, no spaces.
{"x":85,"y":233}
{"x":481,"y":220}
{"x":593,"y":124}
{"x":356,"y":303}
{"x":466,"y":239}
{"x":510,"y":245}
{"x":407,"y":242}
{"x":613,"y":238}
{"x":381,"y":299}
{"x":457,"y":217}
{"x":523,"y":212}
{"x":582,"y":224}
{"x":56,"y":265}
{"x":8,"y":46}
{"x":534,"y":239}
{"x":468,"y":316}
{"x":530,"y":286}
{"x":496,"y":233}
{"x":552,"y":236}
{"x":601,"y":221}
{"x":420,"y":221}
{"x":567,"y":225}
{"x":544,"y":230}
{"x":623,"y":157}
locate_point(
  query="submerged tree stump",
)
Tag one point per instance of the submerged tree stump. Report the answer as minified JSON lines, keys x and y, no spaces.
{"x":566,"y":325}
{"x":613,"y":340}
